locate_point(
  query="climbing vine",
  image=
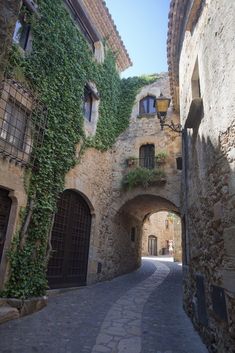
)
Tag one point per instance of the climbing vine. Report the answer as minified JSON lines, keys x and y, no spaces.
{"x":57,"y":70}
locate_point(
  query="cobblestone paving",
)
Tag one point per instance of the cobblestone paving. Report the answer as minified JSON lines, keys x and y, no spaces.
{"x":137,"y":313}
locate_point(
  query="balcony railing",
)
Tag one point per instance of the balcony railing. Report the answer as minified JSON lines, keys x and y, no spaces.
{"x":145,"y":162}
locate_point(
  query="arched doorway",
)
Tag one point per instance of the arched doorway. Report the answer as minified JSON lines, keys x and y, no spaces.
{"x":70,"y":242}
{"x":152,"y":245}
{"x":5,"y":207}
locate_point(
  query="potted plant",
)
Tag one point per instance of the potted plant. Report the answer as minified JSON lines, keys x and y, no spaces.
{"x":161,"y":157}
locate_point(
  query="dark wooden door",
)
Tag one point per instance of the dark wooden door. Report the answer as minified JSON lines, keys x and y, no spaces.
{"x":70,"y":242}
{"x":152,"y":245}
{"x":147,"y":156}
{"x":5,"y":207}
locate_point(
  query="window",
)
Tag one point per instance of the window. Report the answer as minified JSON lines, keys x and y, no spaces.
{"x":14,"y":125}
{"x":147,"y":156}
{"x":147,"y":105}
{"x":82,"y":21}
{"x":22,"y":35}
{"x":90,"y":106}
{"x":88,"y":98}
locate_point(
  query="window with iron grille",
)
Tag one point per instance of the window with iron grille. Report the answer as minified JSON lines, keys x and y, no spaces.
{"x":147,"y":105}
{"x":147,"y":156}
{"x":22,"y":123}
{"x":14,"y":125}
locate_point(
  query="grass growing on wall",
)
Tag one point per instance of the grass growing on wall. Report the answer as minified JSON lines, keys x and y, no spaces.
{"x":57,"y":70}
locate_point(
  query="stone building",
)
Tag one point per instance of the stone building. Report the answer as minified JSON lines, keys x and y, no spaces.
{"x":201,"y":57}
{"x":162,"y":235}
{"x":96,"y":231}
{"x":118,"y":214}
{"x":17,"y":138}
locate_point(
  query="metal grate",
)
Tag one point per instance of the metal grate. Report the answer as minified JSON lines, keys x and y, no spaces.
{"x":22,"y":123}
{"x":70,"y":242}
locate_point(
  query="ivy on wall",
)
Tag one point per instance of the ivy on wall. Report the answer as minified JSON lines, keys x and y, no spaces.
{"x":57,"y":70}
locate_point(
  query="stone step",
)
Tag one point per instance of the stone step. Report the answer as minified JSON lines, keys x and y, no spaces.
{"x":8,"y":313}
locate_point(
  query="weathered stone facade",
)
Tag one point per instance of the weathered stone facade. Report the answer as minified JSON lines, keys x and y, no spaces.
{"x":117,"y":213}
{"x":159,"y":230}
{"x":204,"y":44}
{"x":13,"y":175}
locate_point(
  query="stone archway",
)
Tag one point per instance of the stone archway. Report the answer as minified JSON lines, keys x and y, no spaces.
{"x":70,"y":242}
{"x":125,"y":253}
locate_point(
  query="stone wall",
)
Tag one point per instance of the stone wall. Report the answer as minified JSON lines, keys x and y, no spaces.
{"x":12,"y":178}
{"x":115,"y":212}
{"x":207,"y":114}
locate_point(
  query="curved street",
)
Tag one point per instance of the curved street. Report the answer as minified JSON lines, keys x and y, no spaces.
{"x":140,"y":312}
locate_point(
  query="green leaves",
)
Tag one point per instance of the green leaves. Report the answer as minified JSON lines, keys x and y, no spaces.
{"x":142,"y":177}
{"x":58,"y":68}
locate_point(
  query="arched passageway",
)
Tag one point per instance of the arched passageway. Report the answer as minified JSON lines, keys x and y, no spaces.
{"x":162,"y":235}
{"x":70,"y":242}
{"x":130,"y":219}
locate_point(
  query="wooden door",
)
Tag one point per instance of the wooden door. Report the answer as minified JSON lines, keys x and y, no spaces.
{"x":147,"y":156}
{"x":152,"y":245}
{"x":70,"y":242}
{"x":5,"y":207}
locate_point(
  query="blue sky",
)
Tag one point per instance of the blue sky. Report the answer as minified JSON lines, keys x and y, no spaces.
{"x":142,"y":25}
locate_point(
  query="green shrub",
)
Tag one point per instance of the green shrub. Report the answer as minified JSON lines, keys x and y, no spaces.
{"x":161,"y":156}
{"x":142,"y":177}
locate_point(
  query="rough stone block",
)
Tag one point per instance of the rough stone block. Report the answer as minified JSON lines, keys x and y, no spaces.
{"x":228,"y":280}
{"x":32,"y":305}
{"x":8,"y":313}
{"x":218,"y":211}
{"x":15,"y":303}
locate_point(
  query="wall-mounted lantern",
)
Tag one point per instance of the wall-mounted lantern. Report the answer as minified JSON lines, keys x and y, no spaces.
{"x":162,"y":104}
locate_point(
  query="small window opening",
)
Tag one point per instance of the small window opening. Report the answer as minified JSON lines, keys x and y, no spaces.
{"x":87,"y":107}
{"x":147,"y":105}
{"x":22,"y":34}
{"x":133,"y":233}
{"x":179,"y":163}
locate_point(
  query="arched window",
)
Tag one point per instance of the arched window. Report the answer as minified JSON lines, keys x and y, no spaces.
{"x":147,"y":156}
{"x":147,"y":105}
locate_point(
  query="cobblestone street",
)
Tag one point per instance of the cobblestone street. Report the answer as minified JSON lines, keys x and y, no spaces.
{"x":139,"y":312}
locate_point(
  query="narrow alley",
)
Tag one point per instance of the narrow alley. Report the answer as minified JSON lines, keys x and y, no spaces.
{"x":138,"y":312}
